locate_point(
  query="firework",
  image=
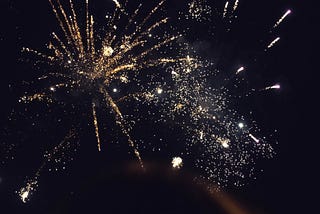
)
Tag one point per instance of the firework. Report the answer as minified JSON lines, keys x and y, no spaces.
{"x":169,"y":78}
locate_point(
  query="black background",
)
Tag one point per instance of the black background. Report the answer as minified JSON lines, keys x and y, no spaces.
{"x":285,"y":186}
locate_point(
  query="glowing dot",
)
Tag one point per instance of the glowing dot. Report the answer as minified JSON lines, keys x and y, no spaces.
{"x":177,"y":162}
{"x":115,"y":90}
{"x":69,"y":61}
{"x":159,"y":90}
{"x":241,"y":125}
{"x":52,"y":88}
{"x":225,"y":145}
{"x":107,"y":51}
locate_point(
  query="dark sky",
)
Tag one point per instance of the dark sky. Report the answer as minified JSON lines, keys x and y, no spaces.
{"x":285,"y":186}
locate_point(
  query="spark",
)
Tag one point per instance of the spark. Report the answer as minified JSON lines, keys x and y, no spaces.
{"x":117,"y":3}
{"x":159,"y":90}
{"x":225,"y":9}
{"x":276,"y":86}
{"x":235,"y":6}
{"x":177,"y":162}
{"x":282,"y":18}
{"x":96,"y":126}
{"x":273,"y":42}
{"x":240,"y":70}
{"x":241,"y":125}
{"x":254,"y":138}
{"x":115,"y":90}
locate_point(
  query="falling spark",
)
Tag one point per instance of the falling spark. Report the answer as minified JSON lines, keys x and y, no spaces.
{"x":225,"y":9}
{"x":277,"y":86}
{"x":117,"y":3}
{"x":235,"y":6}
{"x":282,"y":18}
{"x":177,"y":162}
{"x":254,"y":138}
{"x":273,"y":43}
{"x":240,"y":70}
{"x":96,"y":126}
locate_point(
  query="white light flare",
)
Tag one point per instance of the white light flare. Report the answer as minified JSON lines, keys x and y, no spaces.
{"x":115,"y":90}
{"x":282,"y":18}
{"x":273,"y":42}
{"x":254,"y":138}
{"x":240,"y":70}
{"x":177,"y":162}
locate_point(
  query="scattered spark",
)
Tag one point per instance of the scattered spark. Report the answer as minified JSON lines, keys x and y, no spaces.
{"x":199,"y":10}
{"x":282,"y":18}
{"x":177,"y":162}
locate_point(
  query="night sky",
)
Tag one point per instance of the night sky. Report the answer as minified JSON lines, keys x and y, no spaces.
{"x":110,"y":181}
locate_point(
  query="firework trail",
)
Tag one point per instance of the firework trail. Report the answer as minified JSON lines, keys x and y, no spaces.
{"x":281,"y":19}
{"x":276,"y":40}
{"x":31,"y":186}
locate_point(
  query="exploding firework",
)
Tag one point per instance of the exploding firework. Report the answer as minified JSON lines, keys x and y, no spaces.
{"x":165,"y":81}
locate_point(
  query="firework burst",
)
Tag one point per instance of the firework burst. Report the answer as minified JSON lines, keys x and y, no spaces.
{"x":171,"y":85}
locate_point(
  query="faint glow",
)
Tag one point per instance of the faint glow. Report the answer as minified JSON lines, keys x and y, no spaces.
{"x":177,"y":162}
{"x":52,"y":88}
